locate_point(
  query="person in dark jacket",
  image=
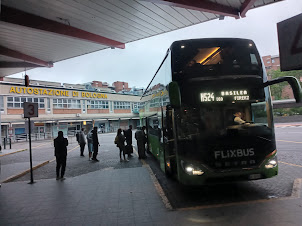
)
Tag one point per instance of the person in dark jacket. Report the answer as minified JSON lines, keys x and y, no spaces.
{"x":60,"y":144}
{"x":128,"y":136}
{"x":95,"y":143}
{"x":82,"y":142}
{"x":141,"y":139}
{"x":120,"y":143}
{"x":90,"y":144}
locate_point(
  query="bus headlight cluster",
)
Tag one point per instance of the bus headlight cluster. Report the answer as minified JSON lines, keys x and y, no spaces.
{"x":272,"y":163}
{"x":190,"y":169}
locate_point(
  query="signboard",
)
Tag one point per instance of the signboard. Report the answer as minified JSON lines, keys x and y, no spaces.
{"x":225,"y":95}
{"x":30,"y":109}
{"x":55,"y":92}
{"x":290,"y":43}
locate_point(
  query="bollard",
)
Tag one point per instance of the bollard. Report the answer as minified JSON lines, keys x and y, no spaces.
{"x":10,"y":143}
{"x":4,"y":143}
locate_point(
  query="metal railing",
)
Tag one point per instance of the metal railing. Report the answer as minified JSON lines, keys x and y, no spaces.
{"x":49,"y":135}
{"x":34,"y":136}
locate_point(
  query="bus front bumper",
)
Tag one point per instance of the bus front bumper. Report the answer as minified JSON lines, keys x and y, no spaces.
{"x":197,"y":174}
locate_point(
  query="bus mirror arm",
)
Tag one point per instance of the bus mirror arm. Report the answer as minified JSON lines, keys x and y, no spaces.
{"x":294,"y":83}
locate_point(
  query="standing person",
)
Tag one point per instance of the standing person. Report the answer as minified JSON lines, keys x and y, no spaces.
{"x":82,"y":141}
{"x":120,"y":143}
{"x":60,"y":144}
{"x":90,"y":144}
{"x":141,"y":140}
{"x":95,"y":143}
{"x":128,"y":136}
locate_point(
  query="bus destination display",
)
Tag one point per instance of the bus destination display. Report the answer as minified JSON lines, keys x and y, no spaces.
{"x":226,"y":95}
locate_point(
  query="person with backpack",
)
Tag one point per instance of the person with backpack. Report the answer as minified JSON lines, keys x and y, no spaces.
{"x":120,"y":143}
{"x":128,"y":136}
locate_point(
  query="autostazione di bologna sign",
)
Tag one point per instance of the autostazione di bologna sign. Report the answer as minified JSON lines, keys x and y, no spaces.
{"x":290,"y":43}
{"x":56,"y":92}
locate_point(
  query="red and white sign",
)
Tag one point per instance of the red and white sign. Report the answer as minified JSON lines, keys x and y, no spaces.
{"x":290,"y":43}
{"x":30,"y":109}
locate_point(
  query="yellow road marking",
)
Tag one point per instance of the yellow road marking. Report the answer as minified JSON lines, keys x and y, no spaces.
{"x":35,"y":167}
{"x":11,"y":178}
{"x":41,"y":145}
{"x":290,"y":164}
{"x":22,"y":150}
{"x":13,"y":152}
{"x":288,"y":141}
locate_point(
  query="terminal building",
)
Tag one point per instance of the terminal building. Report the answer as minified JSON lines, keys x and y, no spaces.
{"x":67,"y":107}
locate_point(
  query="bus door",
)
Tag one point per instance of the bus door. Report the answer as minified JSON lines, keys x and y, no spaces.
{"x":170,"y":141}
{"x":147,"y":133}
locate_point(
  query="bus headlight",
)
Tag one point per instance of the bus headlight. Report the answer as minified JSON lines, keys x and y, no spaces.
{"x":191,"y":169}
{"x":272,"y":163}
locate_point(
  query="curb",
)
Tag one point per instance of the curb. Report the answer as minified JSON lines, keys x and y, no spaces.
{"x":10,"y":179}
{"x":13,"y":152}
{"x":157,"y":185}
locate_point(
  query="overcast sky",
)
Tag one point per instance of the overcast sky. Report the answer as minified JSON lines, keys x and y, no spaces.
{"x":137,"y":63}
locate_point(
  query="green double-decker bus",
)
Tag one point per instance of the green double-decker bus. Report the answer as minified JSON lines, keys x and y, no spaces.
{"x":208,"y":112}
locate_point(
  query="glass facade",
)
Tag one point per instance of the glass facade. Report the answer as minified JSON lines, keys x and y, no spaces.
{"x":121,"y":105}
{"x":1,"y":104}
{"x":98,"y":104}
{"x":66,"y":104}
{"x":17,"y":102}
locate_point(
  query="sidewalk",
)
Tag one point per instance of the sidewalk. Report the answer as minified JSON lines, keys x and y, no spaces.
{"x":288,"y":124}
{"x":128,"y":197}
{"x":7,"y":171}
{"x":5,"y":152}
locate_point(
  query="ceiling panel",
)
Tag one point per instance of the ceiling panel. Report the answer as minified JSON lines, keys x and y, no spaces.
{"x":120,"y":20}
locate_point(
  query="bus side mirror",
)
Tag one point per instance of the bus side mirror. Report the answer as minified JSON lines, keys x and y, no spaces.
{"x":294,"y":83}
{"x":174,"y":94}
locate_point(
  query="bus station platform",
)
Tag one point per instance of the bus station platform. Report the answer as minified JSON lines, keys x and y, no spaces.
{"x":129,"y":196}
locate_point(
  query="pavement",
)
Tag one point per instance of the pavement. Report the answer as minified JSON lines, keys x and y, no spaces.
{"x":10,"y":171}
{"x":130,"y":196}
{"x":288,"y":124}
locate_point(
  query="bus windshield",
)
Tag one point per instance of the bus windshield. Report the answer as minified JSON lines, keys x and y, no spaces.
{"x":216,"y":119}
{"x":215,"y":58}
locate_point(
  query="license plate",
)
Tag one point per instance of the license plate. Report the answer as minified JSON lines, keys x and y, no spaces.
{"x":254,"y":176}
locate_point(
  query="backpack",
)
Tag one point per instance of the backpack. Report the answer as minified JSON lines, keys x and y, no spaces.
{"x":89,"y":137}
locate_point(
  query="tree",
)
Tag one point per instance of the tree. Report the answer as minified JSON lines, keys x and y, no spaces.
{"x":276,"y":90}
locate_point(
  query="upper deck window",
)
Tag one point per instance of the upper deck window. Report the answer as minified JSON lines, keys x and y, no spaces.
{"x":215,"y":58}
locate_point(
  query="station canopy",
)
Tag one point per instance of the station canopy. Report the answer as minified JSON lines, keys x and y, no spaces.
{"x":38,"y":33}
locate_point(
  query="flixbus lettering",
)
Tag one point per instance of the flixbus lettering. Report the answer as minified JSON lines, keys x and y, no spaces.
{"x":237,"y":153}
